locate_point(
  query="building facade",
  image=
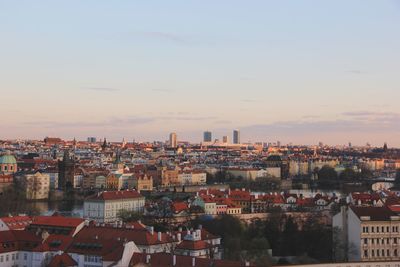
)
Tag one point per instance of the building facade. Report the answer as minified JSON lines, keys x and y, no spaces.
{"x":105,"y":206}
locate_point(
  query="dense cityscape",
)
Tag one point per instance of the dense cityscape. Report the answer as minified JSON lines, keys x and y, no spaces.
{"x":227,"y":133}
{"x":214,"y":203}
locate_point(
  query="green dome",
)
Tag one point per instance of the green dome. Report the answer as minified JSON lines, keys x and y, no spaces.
{"x":8,"y":159}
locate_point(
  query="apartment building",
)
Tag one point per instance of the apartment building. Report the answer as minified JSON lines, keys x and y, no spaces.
{"x":367,"y":233}
{"x":105,"y":206}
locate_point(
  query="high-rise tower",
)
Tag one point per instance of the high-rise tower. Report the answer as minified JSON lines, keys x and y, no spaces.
{"x":236,"y":136}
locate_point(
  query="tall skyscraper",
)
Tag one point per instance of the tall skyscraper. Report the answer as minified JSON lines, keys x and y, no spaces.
{"x":91,"y":139}
{"x":173,"y":142}
{"x":225,"y":139}
{"x":207,"y":136}
{"x":236,"y":137}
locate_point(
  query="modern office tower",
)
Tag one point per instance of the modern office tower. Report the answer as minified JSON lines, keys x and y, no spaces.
{"x":225,"y":139}
{"x":207,"y":136}
{"x":91,"y":140}
{"x":173,"y":142}
{"x":236,"y":137}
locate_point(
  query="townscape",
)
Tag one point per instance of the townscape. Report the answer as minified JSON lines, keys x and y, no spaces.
{"x":175,"y":203}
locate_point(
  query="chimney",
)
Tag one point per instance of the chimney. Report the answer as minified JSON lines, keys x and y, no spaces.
{"x":159,"y":236}
{"x":193,"y":262}
{"x":148,"y":257}
{"x":173,"y":260}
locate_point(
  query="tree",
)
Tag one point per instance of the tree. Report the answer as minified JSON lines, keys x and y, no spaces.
{"x":129,"y":216}
{"x":348,"y":175}
{"x":397,"y":180}
{"x":290,"y":238}
{"x":327,"y":173}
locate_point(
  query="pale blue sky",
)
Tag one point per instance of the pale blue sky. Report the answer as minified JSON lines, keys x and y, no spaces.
{"x":295,"y":71}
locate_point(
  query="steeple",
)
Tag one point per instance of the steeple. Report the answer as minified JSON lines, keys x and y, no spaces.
{"x":104,"y":146}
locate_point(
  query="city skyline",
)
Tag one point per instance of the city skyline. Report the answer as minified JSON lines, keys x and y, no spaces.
{"x":304,"y":73}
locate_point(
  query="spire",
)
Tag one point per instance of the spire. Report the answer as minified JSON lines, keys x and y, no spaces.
{"x":104,"y":146}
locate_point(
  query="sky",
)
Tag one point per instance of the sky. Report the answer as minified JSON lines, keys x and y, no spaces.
{"x":295,"y":71}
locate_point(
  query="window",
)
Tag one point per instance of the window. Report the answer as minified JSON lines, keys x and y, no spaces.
{"x":377,"y":253}
{"x":395,"y":252}
{"x":372,"y":229}
{"x":366,"y":253}
{"x":388,"y":253}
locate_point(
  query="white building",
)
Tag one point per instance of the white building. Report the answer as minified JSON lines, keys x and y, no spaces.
{"x":105,"y":206}
{"x":36,"y":185}
{"x":367,"y":234}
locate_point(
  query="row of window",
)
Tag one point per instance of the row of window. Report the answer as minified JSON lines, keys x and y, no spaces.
{"x":14,"y":256}
{"x":5,"y":168}
{"x":91,"y":258}
{"x":380,"y":229}
{"x":380,"y":253}
{"x":379,"y":241}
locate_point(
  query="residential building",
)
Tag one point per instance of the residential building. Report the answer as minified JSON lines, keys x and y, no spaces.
{"x":105,"y":206}
{"x":36,"y":185}
{"x":367,"y":234}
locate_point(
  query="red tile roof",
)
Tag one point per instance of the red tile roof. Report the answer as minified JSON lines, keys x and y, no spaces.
{"x":179,"y":206}
{"x":375,"y":213}
{"x":57,"y":220}
{"x":113,"y":195}
{"x":140,"y":236}
{"x":64,"y":260}
{"x":17,"y":222}
{"x":193,"y":245}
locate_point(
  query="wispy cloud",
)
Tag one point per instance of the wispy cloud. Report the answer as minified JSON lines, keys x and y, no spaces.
{"x":360,"y":122}
{"x":117,"y":121}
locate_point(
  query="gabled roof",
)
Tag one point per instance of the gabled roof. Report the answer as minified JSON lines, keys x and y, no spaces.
{"x":63,"y":260}
{"x":139,"y":236}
